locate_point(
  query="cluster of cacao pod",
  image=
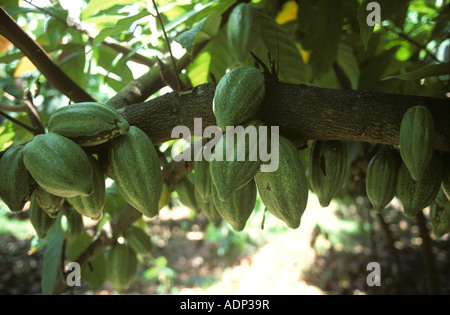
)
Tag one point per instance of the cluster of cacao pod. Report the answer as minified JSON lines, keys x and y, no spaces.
{"x":55,"y":167}
{"x":415,"y":174}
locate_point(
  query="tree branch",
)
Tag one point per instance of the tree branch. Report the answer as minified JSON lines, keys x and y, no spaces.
{"x":302,"y":112}
{"x":30,"y":48}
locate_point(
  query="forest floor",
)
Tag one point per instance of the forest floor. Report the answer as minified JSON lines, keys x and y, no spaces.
{"x":316,"y":259}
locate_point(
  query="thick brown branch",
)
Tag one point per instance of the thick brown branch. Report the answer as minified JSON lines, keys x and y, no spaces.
{"x":15,"y":34}
{"x":302,"y":113}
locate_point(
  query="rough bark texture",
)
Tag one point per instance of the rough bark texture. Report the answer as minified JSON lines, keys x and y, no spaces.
{"x":302,"y":112}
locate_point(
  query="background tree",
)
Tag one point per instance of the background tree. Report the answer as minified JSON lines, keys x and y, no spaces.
{"x":337,"y":78}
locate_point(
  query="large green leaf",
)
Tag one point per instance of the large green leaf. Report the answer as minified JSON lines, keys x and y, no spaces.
{"x":348,"y":63}
{"x":204,"y":30}
{"x":52,"y":259}
{"x":283,"y":49}
{"x":121,"y":26}
{"x":99,"y":5}
{"x":322,"y":22}
{"x":424,"y":72}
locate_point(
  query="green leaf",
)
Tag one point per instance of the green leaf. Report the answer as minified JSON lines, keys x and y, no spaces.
{"x":121,"y":26}
{"x":322,"y":22}
{"x":348,"y":63}
{"x":204,"y":30}
{"x":365,"y":30}
{"x":424,"y":72}
{"x":99,"y":5}
{"x":73,"y":66}
{"x":52,"y":259}
{"x":95,"y":272}
{"x":281,"y":46}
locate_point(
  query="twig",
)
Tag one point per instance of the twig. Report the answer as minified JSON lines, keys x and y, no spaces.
{"x":18,"y":123}
{"x":30,"y":48}
{"x":13,"y":108}
{"x":33,"y":114}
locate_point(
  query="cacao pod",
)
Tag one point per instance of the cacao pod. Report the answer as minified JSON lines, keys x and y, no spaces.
{"x":440,"y":215}
{"x":446,"y":176}
{"x":237,"y":209}
{"x":285,"y":191}
{"x":92,"y":206}
{"x":39,"y":219}
{"x":17,"y":185}
{"x":71,"y":225}
{"x":417,"y":195}
{"x":381,"y":179}
{"x":139,"y":240}
{"x":238,"y":96}
{"x":207,"y":207}
{"x":134,"y":166}
{"x":186,"y":192}
{"x":233,"y":169}
{"x":202,"y":176}
{"x":417,"y":135}
{"x":242,"y":31}
{"x":122,"y":265}
{"x":88,"y":123}
{"x":59,"y":165}
{"x":48,"y":202}
{"x":328,"y":166}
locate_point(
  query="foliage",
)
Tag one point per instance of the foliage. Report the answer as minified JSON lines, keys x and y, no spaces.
{"x":104,"y":45}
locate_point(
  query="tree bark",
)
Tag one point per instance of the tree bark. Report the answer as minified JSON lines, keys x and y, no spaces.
{"x":302,"y":113}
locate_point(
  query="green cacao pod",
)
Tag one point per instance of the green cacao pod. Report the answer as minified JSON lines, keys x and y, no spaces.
{"x":239,"y":207}
{"x":48,"y":202}
{"x":381,"y":179}
{"x":328,"y":166}
{"x":134,"y":166}
{"x":207,"y":207}
{"x":88,"y":123}
{"x":122,"y":265}
{"x":92,"y":206}
{"x":71,"y":224}
{"x":417,"y":136}
{"x":139,"y":240}
{"x":417,"y":195}
{"x":59,"y":165}
{"x":440,"y":215}
{"x":232,"y":169}
{"x":186,"y":192}
{"x":17,"y":185}
{"x":446,"y":176}
{"x":238,"y":96}
{"x":242,"y":31}
{"x":284,"y":192}
{"x":202,"y":176}
{"x":39,"y":219}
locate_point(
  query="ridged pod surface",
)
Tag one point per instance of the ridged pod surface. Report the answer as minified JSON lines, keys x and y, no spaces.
{"x":417,"y":195}
{"x":381,"y":179}
{"x":59,"y":165}
{"x":134,"y":166}
{"x":202,"y":176}
{"x":186,"y":192}
{"x":88,"y":123}
{"x":39,"y":219}
{"x":207,"y":207}
{"x":239,"y":207}
{"x":122,"y":264}
{"x":17,"y":185}
{"x":92,"y":206}
{"x":328,"y":166}
{"x":285,"y":191}
{"x":48,"y":202}
{"x":242,"y":31}
{"x":440,"y":215}
{"x":236,"y":159}
{"x":71,"y":225}
{"x":417,"y":136}
{"x":238,"y":96}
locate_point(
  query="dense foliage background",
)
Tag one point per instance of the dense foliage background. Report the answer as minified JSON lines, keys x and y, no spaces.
{"x":105,"y":45}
